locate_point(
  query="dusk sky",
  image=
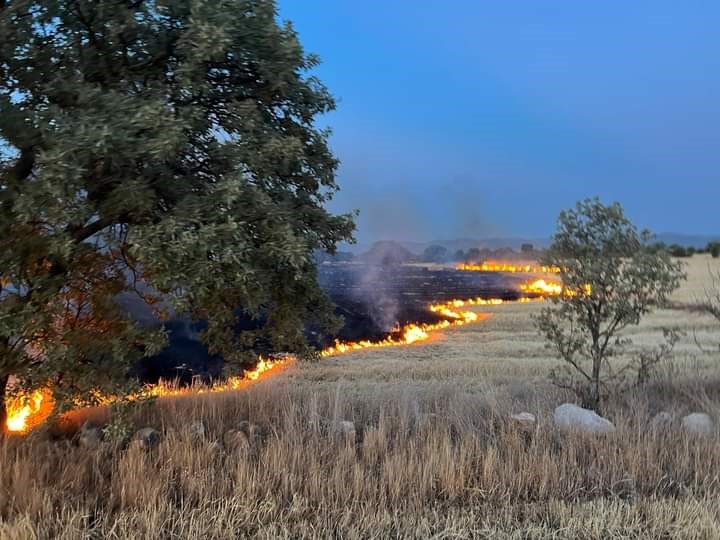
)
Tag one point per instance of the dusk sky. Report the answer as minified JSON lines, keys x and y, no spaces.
{"x":486,"y":118}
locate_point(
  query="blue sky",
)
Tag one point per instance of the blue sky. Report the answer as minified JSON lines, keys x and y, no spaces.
{"x":486,"y":118}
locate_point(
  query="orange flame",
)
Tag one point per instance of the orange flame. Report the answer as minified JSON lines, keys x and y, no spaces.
{"x":553,"y":288}
{"x":543,"y":287}
{"x":412,"y":333}
{"x":508,"y":267}
{"x":28,"y":411}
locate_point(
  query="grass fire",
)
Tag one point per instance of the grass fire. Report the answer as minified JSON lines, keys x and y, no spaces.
{"x":229,"y":310}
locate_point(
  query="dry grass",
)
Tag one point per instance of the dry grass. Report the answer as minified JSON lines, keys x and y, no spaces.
{"x":435,"y":454}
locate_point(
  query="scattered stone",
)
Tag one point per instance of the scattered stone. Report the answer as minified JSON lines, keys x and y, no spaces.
{"x":662,"y":421}
{"x":196,"y":430}
{"x":698,"y":424}
{"x":571,"y":417}
{"x":90,"y":436}
{"x":347,"y":430}
{"x":147,"y":437}
{"x":524,"y":419}
{"x":236,"y":440}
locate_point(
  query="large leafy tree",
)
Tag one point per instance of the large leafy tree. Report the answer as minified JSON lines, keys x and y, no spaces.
{"x":611,"y":278}
{"x":164,"y":148}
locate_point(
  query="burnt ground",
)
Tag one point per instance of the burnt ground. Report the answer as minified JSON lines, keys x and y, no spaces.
{"x":371,"y":299}
{"x":374,"y":299}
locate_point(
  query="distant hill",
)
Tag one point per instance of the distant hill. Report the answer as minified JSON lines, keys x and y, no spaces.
{"x":385,"y":253}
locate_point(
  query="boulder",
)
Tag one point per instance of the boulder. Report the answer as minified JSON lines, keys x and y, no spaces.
{"x":236,"y":440}
{"x":698,"y":424}
{"x":662,"y":421}
{"x":147,"y":437}
{"x":570,"y":417}
{"x":524,"y":419}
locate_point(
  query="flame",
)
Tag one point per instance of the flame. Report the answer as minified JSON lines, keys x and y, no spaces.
{"x":491,"y":266}
{"x":413,"y":332}
{"x":28,"y":410}
{"x":553,"y":288}
{"x":543,"y":287}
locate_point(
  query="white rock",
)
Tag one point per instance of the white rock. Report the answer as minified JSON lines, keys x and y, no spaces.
{"x":571,"y":417}
{"x":698,"y":423}
{"x":662,"y":421}
{"x":524,"y":418}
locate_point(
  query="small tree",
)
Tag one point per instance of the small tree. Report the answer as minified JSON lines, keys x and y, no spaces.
{"x":610,"y":279}
{"x":713,"y":248}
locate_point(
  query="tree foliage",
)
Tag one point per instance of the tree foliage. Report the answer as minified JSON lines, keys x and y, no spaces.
{"x":610,"y":279}
{"x":165,"y":148}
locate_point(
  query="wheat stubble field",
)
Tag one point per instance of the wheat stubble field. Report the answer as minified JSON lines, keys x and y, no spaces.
{"x":434,"y":455}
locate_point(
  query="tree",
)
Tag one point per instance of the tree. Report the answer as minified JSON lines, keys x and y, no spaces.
{"x":611,"y":279}
{"x":435,"y":254}
{"x":713,"y":248}
{"x":166,"y":148}
{"x":527,"y":248}
{"x":459,"y":255}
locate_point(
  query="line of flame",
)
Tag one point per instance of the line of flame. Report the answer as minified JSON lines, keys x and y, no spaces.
{"x":507,"y":267}
{"x":25,"y":412}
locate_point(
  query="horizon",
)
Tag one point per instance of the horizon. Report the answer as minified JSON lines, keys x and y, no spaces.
{"x":483,"y":120}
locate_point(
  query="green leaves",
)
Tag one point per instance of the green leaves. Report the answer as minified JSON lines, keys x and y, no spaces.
{"x":617,"y":279}
{"x":164,"y":144}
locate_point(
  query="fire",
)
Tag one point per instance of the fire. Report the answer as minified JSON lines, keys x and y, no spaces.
{"x":553,"y":288}
{"x":508,"y":267}
{"x":26,"y":412}
{"x":544,"y":287}
{"x":413,"y":332}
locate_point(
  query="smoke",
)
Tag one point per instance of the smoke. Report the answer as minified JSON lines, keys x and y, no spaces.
{"x":371,"y":290}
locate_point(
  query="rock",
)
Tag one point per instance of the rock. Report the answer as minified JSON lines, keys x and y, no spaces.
{"x":524,"y":419}
{"x":236,"y":440}
{"x":347,"y":430}
{"x":196,"y":430}
{"x":90,"y":436}
{"x":662,"y":421}
{"x":698,"y":424}
{"x":147,"y":437}
{"x":570,"y":417}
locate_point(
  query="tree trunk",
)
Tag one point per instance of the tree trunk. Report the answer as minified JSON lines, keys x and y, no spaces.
{"x":3,"y":410}
{"x":594,"y":401}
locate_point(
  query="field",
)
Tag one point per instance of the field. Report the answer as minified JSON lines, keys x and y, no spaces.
{"x":435,"y":453}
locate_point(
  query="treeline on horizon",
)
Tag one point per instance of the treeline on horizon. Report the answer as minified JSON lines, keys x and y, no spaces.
{"x":393,"y":253}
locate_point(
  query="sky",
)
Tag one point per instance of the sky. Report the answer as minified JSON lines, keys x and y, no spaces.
{"x":482,"y":118}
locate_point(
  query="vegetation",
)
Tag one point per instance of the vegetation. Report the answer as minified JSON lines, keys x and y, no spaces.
{"x":435,"y":456}
{"x":166,"y":149}
{"x":610,"y":281}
